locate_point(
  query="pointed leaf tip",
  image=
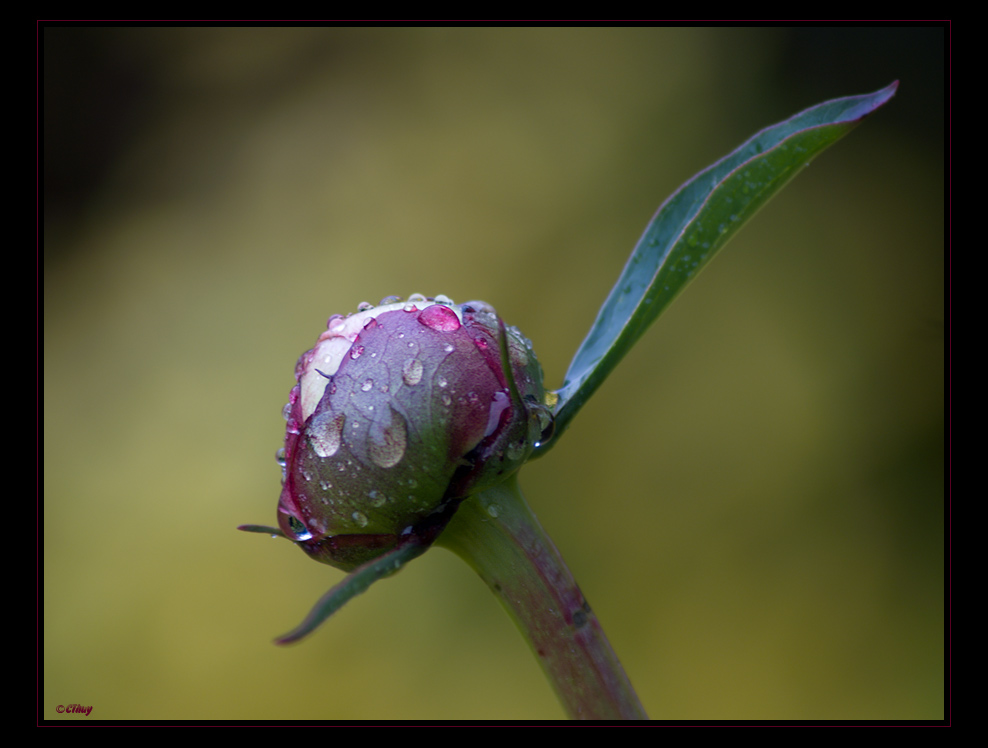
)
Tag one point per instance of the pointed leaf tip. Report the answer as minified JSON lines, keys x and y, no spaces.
{"x":352,"y":585}
{"x":692,"y":225}
{"x":264,"y":530}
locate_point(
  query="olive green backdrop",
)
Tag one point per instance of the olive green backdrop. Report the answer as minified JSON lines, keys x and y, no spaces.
{"x":753,"y":503}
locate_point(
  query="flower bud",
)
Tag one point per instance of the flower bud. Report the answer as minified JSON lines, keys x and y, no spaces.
{"x":400,"y":411}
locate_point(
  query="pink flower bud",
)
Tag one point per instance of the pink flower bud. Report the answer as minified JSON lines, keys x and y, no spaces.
{"x":400,"y":411}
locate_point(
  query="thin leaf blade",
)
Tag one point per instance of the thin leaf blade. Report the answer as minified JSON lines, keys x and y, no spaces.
{"x":352,"y":585}
{"x":692,"y":226}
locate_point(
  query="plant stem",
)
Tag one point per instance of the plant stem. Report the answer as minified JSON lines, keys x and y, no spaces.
{"x":497,"y":534}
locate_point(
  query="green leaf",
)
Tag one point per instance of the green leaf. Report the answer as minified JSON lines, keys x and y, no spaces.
{"x":356,"y":582}
{"x":691,"y":226}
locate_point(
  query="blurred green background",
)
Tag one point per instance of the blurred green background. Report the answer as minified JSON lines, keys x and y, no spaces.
{"x":753,"y":503}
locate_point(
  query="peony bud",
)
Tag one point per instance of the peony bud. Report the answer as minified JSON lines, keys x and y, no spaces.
{"x":400,"y":411}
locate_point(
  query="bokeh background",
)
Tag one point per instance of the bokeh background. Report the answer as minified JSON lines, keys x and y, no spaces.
{"x":753,"y":503}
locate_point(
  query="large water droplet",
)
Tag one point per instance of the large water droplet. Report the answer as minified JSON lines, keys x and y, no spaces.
{"x":360,"y":518}
{"x":279,"y":456}
{"x":299,"y":530}
{"x":416,"y":298}
{"x":325,"y":433}
{"x":387,"y":440}
{"x":440,"y":318}
{"x":547,"y":424}
{"x":411,"y":372}
{"x":364,"y":306}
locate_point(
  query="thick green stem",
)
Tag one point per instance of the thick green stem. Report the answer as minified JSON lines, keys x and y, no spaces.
{"x":497,"y":534}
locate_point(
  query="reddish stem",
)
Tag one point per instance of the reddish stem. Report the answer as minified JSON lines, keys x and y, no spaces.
{"x":497,"y":534}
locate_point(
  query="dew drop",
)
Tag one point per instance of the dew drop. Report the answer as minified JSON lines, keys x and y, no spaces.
{"x":493,"y":510}
{"x":286,"y":411}
{"x":411,"y":372}
{"x":448,"y":348}
{"x":390,"y":300}
{"x":360,"y":518}
{"x":417,"y":297}
{"x":364,"y":306}
{"x":442,"y":382}
{"x":387,"y":440}
{"x":478,"y":306}
{"x":443,"y":299}
{"x":440,"y":318}
{"x":356,"y":351}
{"x":325,"y":433}
{"x":367,"y":385}
{"x":300,"y":531}
{"x":279,"y":457}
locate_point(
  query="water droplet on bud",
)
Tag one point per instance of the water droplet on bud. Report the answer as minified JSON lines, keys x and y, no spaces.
{"x":325,"y":433}
{"x":300,"y":531}
{"x":387,"y":440}
{"x":440,"y":318}
{"x":411,"y":372}
{"x":364,"y":306}
{"x":360,"y":518}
